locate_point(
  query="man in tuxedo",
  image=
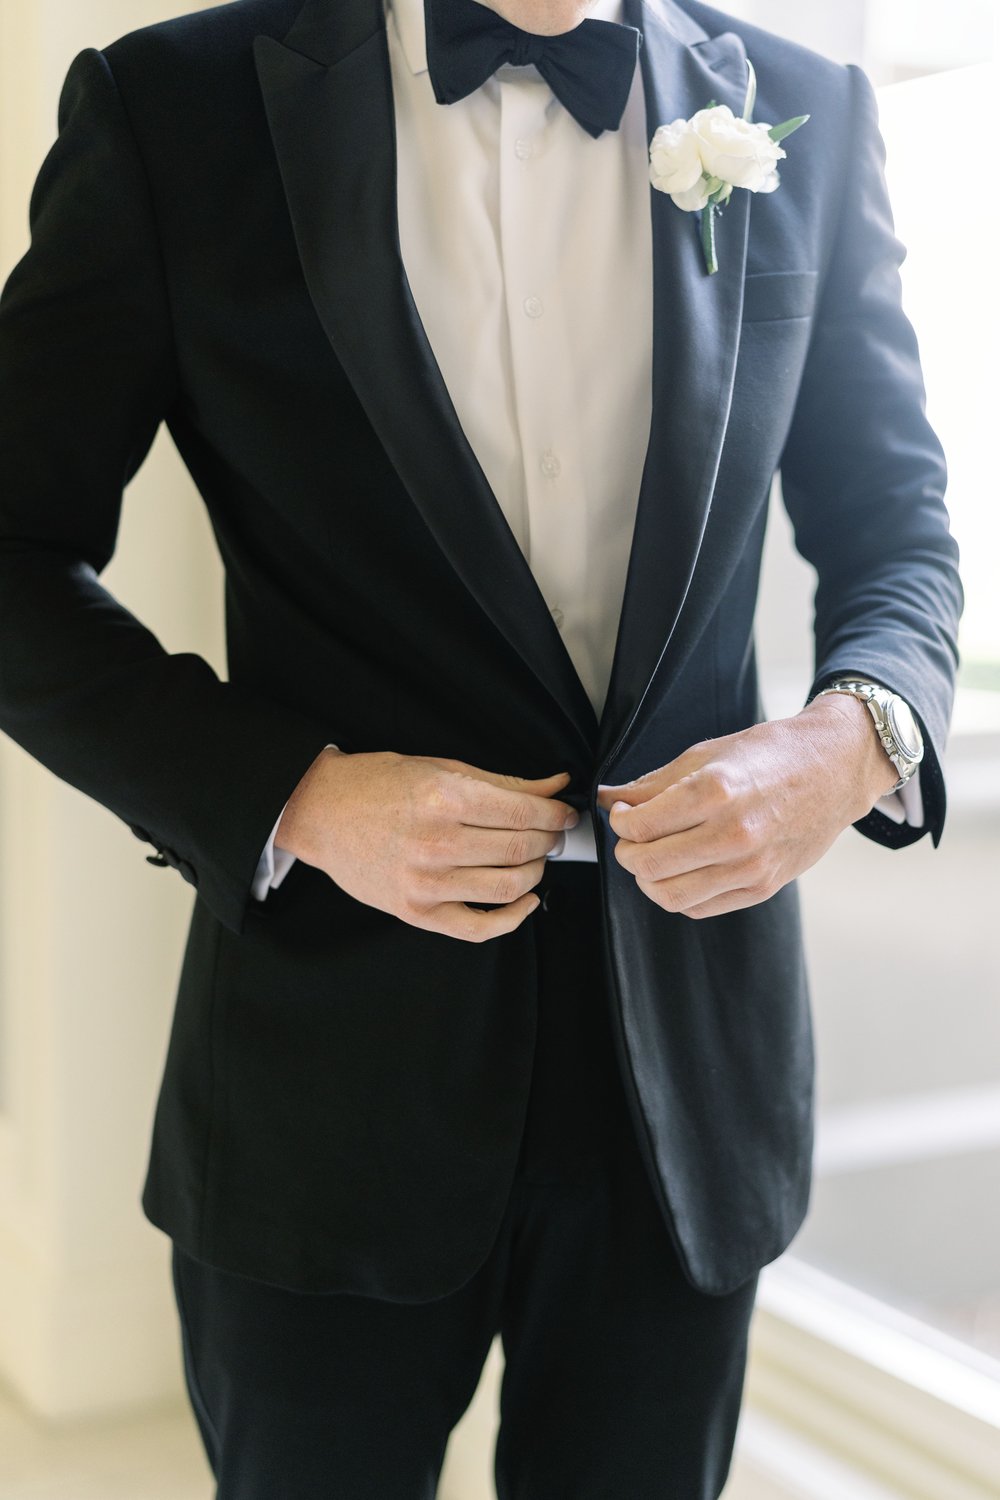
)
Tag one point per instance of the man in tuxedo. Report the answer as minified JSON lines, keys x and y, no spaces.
{"x":493,"y":1015}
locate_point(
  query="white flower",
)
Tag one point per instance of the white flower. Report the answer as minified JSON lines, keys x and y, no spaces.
{"x":686,"y":154}
{"x":736,"y":151}
{"x":675,"y":164}
{"x":692,"y":198}
{"x":699,"y":161}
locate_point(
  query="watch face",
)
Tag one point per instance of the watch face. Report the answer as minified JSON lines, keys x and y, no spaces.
{"x":904,"y":727}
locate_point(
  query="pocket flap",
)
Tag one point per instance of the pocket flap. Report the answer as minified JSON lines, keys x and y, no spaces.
{"x":778,"y":294}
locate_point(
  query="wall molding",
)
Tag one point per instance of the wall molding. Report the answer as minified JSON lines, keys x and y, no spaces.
{"x":871,"y":1389}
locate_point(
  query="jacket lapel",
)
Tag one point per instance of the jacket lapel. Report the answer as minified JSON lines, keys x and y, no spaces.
{"x":328,"y":94}
{"x":696,"y":332}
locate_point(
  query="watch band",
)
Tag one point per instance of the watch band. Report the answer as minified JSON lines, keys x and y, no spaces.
{"x":898,"y":731}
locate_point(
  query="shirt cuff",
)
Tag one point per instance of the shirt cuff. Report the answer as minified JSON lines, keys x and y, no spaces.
{"x":577,"y":843}
{"x":274,"y":863}
{"x":906,"y":805}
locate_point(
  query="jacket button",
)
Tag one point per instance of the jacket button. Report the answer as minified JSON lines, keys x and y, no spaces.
{"x":157,"y":859}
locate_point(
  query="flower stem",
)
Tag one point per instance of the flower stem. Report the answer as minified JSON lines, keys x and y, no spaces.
{"x":708,"y":237}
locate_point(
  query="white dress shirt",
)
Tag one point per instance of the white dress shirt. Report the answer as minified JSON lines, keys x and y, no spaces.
{"x":528,"y":249}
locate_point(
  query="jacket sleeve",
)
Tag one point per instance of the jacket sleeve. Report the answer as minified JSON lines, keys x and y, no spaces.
{"x":195,"y":766}
{"x":863,"y":477}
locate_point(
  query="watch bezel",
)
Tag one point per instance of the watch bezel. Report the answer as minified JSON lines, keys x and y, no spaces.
{"x":911,"y":750}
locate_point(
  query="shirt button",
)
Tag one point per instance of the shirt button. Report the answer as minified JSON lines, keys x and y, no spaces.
{"x":557,"y":616}
{"x":524,"y":148}
{"x":534,"y":307}
{"x":550,"y":465}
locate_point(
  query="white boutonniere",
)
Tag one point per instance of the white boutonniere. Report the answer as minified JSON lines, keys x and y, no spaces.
{"x":699,"y":161}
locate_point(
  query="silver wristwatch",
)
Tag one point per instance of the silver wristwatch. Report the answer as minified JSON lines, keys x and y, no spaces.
{"x":898,"y":730}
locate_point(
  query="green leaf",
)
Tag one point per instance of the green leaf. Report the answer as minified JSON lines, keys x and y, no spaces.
{"x":778,"y":132}
{"x":751,"y":98}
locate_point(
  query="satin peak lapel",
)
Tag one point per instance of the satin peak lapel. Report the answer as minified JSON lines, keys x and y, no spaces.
{"x":328,"y":94}
{"x":696,"y":335}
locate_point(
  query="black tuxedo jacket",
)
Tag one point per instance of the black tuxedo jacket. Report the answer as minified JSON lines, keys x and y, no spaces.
{"x":215,"y":247}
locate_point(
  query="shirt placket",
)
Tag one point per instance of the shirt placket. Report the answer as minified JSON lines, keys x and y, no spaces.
{"x":529,"y":187}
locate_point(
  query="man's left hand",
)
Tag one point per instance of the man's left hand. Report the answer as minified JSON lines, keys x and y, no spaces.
{"x":731,"y":820}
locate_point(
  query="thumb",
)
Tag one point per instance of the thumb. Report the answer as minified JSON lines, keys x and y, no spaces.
{"x":539,"y":786}
{"x":632,"y":792}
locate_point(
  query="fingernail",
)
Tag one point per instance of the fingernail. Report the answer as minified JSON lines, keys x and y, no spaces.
{"x":619,"y":807}
{"x":573,"y":819}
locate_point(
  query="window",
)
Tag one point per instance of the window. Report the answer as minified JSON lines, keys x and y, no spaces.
{"x":879,"y":1330}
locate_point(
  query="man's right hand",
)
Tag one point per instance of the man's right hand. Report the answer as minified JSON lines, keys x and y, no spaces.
{"x":419,"y":836}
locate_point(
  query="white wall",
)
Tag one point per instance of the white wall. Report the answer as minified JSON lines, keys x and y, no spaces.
{"x":837,"y":30}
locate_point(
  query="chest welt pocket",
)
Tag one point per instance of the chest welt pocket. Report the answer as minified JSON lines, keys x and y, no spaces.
{"x":772,"y":295}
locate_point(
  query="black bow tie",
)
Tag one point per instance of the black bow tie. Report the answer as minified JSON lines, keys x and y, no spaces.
{"x":589,"y":69}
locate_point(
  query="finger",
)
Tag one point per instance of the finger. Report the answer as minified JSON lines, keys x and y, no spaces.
{"x":491,"y":806}
{"x":632,"y":792}
{"x":679,"y":853}
{"x":487,"y":799}
{"x":453,"y":919}
{"x":682,"y":892}
{"x":495,"y":885}
{"x":499,"y":846}
{"x":734,"y":900}
{"x":684,"y":805}
{"x":541,"y":786}
{"x":652,"y":782}
{"x":643,"y":787}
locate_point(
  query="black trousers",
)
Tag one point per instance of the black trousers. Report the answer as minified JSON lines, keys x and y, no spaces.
{"x":621,"y":1382}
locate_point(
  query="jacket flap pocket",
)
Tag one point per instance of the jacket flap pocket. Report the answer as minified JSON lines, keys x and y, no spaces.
{"x":778,"y":294}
